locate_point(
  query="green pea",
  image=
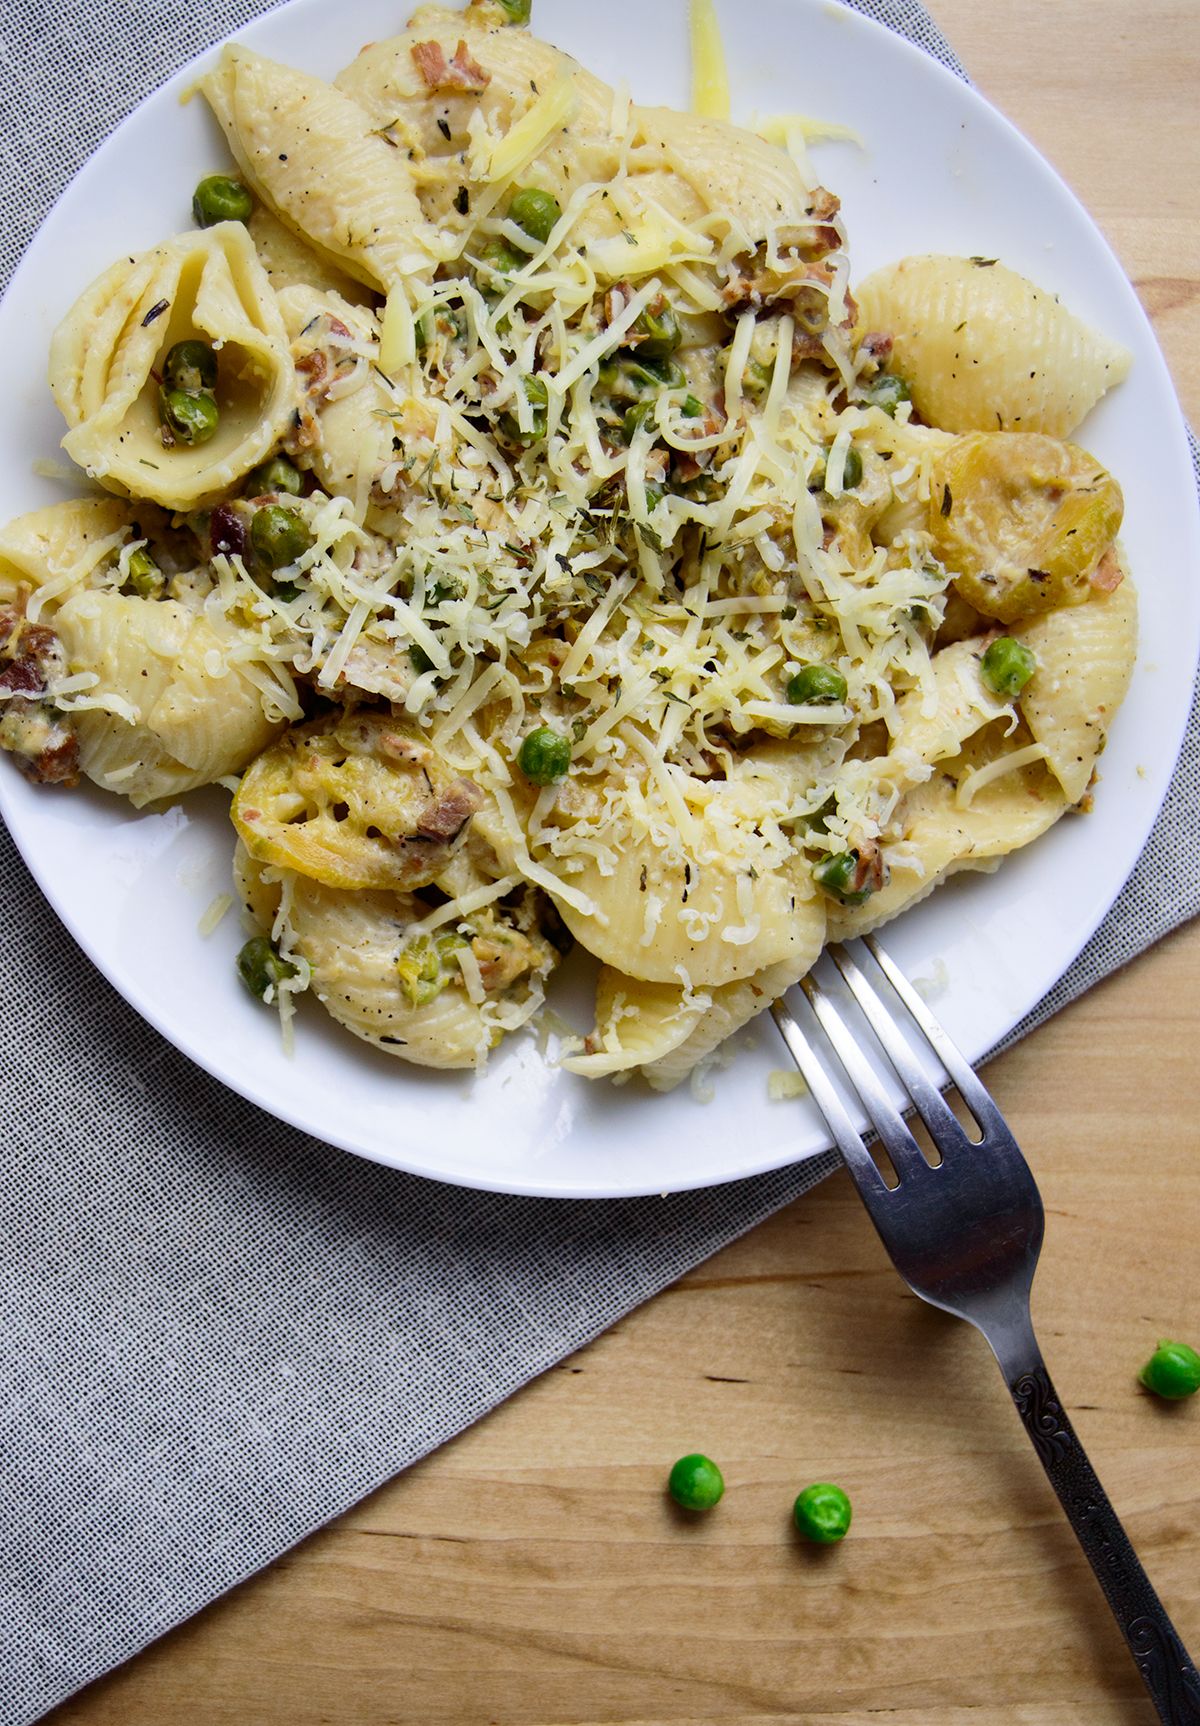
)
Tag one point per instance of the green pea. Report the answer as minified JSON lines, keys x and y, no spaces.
{"x":659,"y":331}
{"x":279,"y":536}
{"x":756,"y":379}
{"x":261,"y":967}
{"x":499,"y":260}
{"x":822,"y":1513}
{"x":219,"y":199}
{"x":189,"y":418}
{"x":816,"y":683}
{"x":1173,"y":1371}
{"x":640,"y":414}
{"x":817,"y":820}
{"x":143,"y":576}
{"x":190,"y":366}
{"x":629,"y":379}
{"x":1007,"y":666}
{"x":836,"y":875}
{"x":419,"y":659}
{"x":538,"y":397}
{"x":887,"y":391}
{"x":277,"y":475}
{"x":423,"y":967}
{"x":535,"y":211}
{"x":518,"y":11}
{"x":696,"y":1483}
{"x":545,"y":756}
{"x":852,"y":471}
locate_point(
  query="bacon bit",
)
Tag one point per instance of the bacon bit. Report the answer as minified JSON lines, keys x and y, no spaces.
{"x":469,"y":74}
{"x":445,"y":818}
{"x":657,"y":463}
{"x":25,"y":651}
{"x":877,"y":346}
{"x":825,"y":204}
{"x":870,"y":871}
{"x":615,"y":301}
{"x":315,"y":367}
{"x":1108,"y":574}
{"x":58,"y":763}
{"x":41,"y":740}
{"x":461,"y":72}
{"x":338,"y":328}
{"x":430,"y":61}
{"x":502,"y":960}
{"x":227,"y":532}
{"x":22,"y":677}
{"x":806,"y":347}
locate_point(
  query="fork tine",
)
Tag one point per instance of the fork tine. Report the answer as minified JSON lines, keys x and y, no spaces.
{"x":970,"y":1087}
{"x":904,"y":1151}
{"x":944,"y":1129}
{"x":857,"y":1158}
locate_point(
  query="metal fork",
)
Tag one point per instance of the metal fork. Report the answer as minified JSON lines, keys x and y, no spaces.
{"x":965,"y":1235}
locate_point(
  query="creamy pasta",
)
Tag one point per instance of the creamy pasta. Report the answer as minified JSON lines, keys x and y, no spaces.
{"x":503,"y":491}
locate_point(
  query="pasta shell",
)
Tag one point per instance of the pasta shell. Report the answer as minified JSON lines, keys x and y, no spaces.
{"x":355,"y":943}
{"x":636,"y":1022}
{"x":315,"y":159}
{"x":1085,"y":658}
{"x":103,"y":360}
{"x":942,"y":835}
{"x":291,"y":262}
{"x":661,"y":920}
{"x":983,"y":349}
{"x":53,"y":550}
{"x":385,"y":81}
{"x":180,"y":711}
{"x":1022,"y":521}
{"x":733,"y":1006}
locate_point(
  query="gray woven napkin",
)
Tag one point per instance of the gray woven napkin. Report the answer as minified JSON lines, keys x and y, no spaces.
{"x":220,"y":1333}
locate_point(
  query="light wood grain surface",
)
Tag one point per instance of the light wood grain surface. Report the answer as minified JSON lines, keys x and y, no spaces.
{"x":532,"y":1573}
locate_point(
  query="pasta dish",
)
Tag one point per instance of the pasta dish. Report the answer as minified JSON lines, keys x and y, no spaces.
{"x":503,"y":491}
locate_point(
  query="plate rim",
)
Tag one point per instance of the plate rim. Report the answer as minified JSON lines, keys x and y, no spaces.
{"x":776,"y":1155}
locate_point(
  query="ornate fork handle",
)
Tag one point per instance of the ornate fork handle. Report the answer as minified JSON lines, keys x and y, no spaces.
{"x":1169,"y":1676}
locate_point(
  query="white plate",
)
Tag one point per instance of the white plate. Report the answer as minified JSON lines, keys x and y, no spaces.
{"x":955,"y":178}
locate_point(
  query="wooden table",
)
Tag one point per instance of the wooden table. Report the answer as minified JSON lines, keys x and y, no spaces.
{"x":531,"y":1572}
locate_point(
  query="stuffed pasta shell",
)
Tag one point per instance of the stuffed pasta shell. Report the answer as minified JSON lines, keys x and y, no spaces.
{"x":173,"y":371}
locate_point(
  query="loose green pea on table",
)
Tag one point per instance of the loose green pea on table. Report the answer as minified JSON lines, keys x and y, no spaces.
{"x":1173,"y":1371}
{"x":696,"y":1483}
{"x":822,"y":1513}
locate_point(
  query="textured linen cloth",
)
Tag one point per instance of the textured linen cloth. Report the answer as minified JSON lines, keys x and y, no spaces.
{"x":218,"y":1333}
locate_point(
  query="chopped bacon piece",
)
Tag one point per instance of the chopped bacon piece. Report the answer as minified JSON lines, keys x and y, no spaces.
{"x":40,"y":738}
{"x":430,"y":61}
{"x":467,"y":73}
{"x":877,"y":346}
{"x":314,"y":367}
{"x":870,"y":871}
{"x":447,"y":815}
{"x":503,"y":959}
{"x":824,"y":204}
{"x":615,"y":301}
{"x":1108,"y":574}
{"x":460,"y":72}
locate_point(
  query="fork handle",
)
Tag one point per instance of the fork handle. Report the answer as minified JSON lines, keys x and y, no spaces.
{"x":1167,"y":1670}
